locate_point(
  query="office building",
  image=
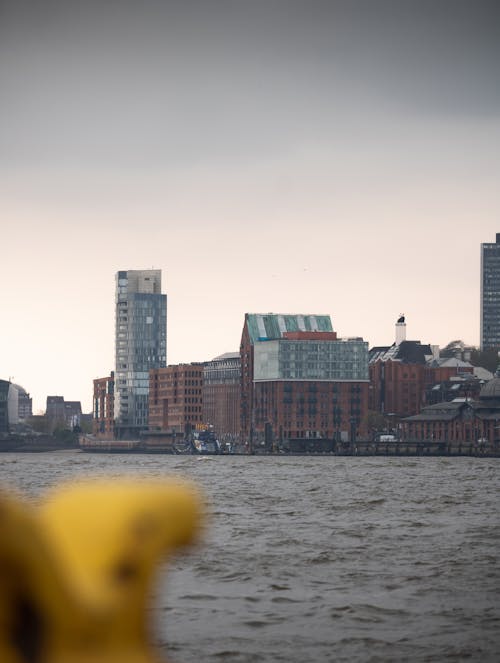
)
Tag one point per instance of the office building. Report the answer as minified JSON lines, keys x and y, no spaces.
{"x":301,"y":382}
{"x":9,"y":403}
{"x":25,"y":404}
{"x":140,"y":345}
{"x":490,"y":294}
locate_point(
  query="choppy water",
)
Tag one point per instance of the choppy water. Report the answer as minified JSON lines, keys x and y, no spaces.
{"x":322,"y":559}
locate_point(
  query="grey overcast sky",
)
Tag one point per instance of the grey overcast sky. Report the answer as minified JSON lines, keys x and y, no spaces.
{"x":335,"y":157}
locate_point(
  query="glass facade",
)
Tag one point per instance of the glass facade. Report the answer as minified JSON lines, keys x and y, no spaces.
{"x":223,"y":370}
{"x":8,"y":406}
{"x":4,"y":411}
{"x":140,"y":343}
{"x":262,"y":326}
{"x":490,"y":294}
{"x":282,"y":359}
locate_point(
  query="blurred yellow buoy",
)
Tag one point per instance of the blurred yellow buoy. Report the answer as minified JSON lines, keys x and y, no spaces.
{"x":76,"y":572}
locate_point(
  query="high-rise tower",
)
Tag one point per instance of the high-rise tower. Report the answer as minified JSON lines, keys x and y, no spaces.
{"x":490,"y":294}
{"x":140,"y":344}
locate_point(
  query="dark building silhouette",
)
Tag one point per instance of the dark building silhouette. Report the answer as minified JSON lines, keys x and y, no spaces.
{"x":465,"y":385}
{"x":62,"y":414}
{"x":490,"y":294}
{"x":8,"y":406}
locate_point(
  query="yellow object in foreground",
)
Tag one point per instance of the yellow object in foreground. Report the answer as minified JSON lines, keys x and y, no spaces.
{"x":76,"y":572}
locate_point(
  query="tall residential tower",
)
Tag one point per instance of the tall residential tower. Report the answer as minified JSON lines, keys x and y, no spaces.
{"x":490,"y":295}
{"x":140,"y":344}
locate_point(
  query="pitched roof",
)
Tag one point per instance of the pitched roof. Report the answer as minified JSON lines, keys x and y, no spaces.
{"x":452,"y":362}
{"x":407,"y":352}
{"x":491,"y":389}
{"x":445,"y":411}
{"x":227,"y":355}
{"x":433,"y":416}
{"x":270,"y":326}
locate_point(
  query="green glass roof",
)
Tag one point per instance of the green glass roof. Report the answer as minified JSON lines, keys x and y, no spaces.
{"x":270,"y":326}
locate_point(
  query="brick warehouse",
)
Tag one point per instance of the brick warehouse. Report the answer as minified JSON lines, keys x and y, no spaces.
{"x":401,"y":374}
{"x":175,"y":397}
{"x":300,"y":382}
{"x":473,"y":423}
{"x":221,"y":394}
{"x":104,"y":414}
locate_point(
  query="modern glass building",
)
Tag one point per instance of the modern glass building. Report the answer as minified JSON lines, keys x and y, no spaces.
{"x":140,"y":344}
{"x":8,"y":406}
{"x":300,"y":382}
{"x":490,"y":294}
{"x":284,"y":359}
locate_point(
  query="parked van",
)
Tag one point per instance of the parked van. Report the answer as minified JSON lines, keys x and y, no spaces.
{"x":387,"y":438}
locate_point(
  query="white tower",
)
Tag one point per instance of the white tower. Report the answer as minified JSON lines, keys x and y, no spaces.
{"x":400,"y":330}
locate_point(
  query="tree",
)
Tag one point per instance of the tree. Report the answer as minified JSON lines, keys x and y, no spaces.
{"x":375,"y":421}
{"x":488,"y":359}
{"x":39,"y":423}
{"x":66,"y":437}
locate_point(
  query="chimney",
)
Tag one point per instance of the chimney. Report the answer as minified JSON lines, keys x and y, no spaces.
{"x":400,"y":330}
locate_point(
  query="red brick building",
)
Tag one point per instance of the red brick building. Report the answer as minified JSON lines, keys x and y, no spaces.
{"x":103,"y":411}
{"x":462,"y":421}
{"x":300,"y":382}
{"x":401,"y":373}
{"x":221,"y":394}
{"x":175,"y":397}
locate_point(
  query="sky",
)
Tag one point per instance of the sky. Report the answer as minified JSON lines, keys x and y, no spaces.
{"x":333,"y":157}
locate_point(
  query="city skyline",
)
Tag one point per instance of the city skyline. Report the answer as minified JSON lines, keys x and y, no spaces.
{"x":319,"y":157}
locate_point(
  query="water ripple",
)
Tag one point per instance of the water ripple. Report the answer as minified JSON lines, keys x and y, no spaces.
{"x":321,"y":559}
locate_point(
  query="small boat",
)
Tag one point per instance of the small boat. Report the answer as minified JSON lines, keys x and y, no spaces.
{"x":205,"y":442}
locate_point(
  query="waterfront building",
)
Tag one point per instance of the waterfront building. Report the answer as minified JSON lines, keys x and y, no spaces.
{"x":490,"y":294}
{"x":24,"y":404}
{"x":62,"y":414}
{"x":176,"y":398}
{"x":464,"y":385}
{"x":221,"y":394}
{"x":400,"y":374}
{"x":397,"y":374}
{"x":469,"y":422}
{"x":9,"y":406}
{"x":20,"y":403}
{"x":300,"y":382}
{"x":140,"y":345}
{"x":103,"y":410}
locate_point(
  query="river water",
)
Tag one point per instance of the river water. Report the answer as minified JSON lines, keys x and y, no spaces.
{"x":320,"y":559}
